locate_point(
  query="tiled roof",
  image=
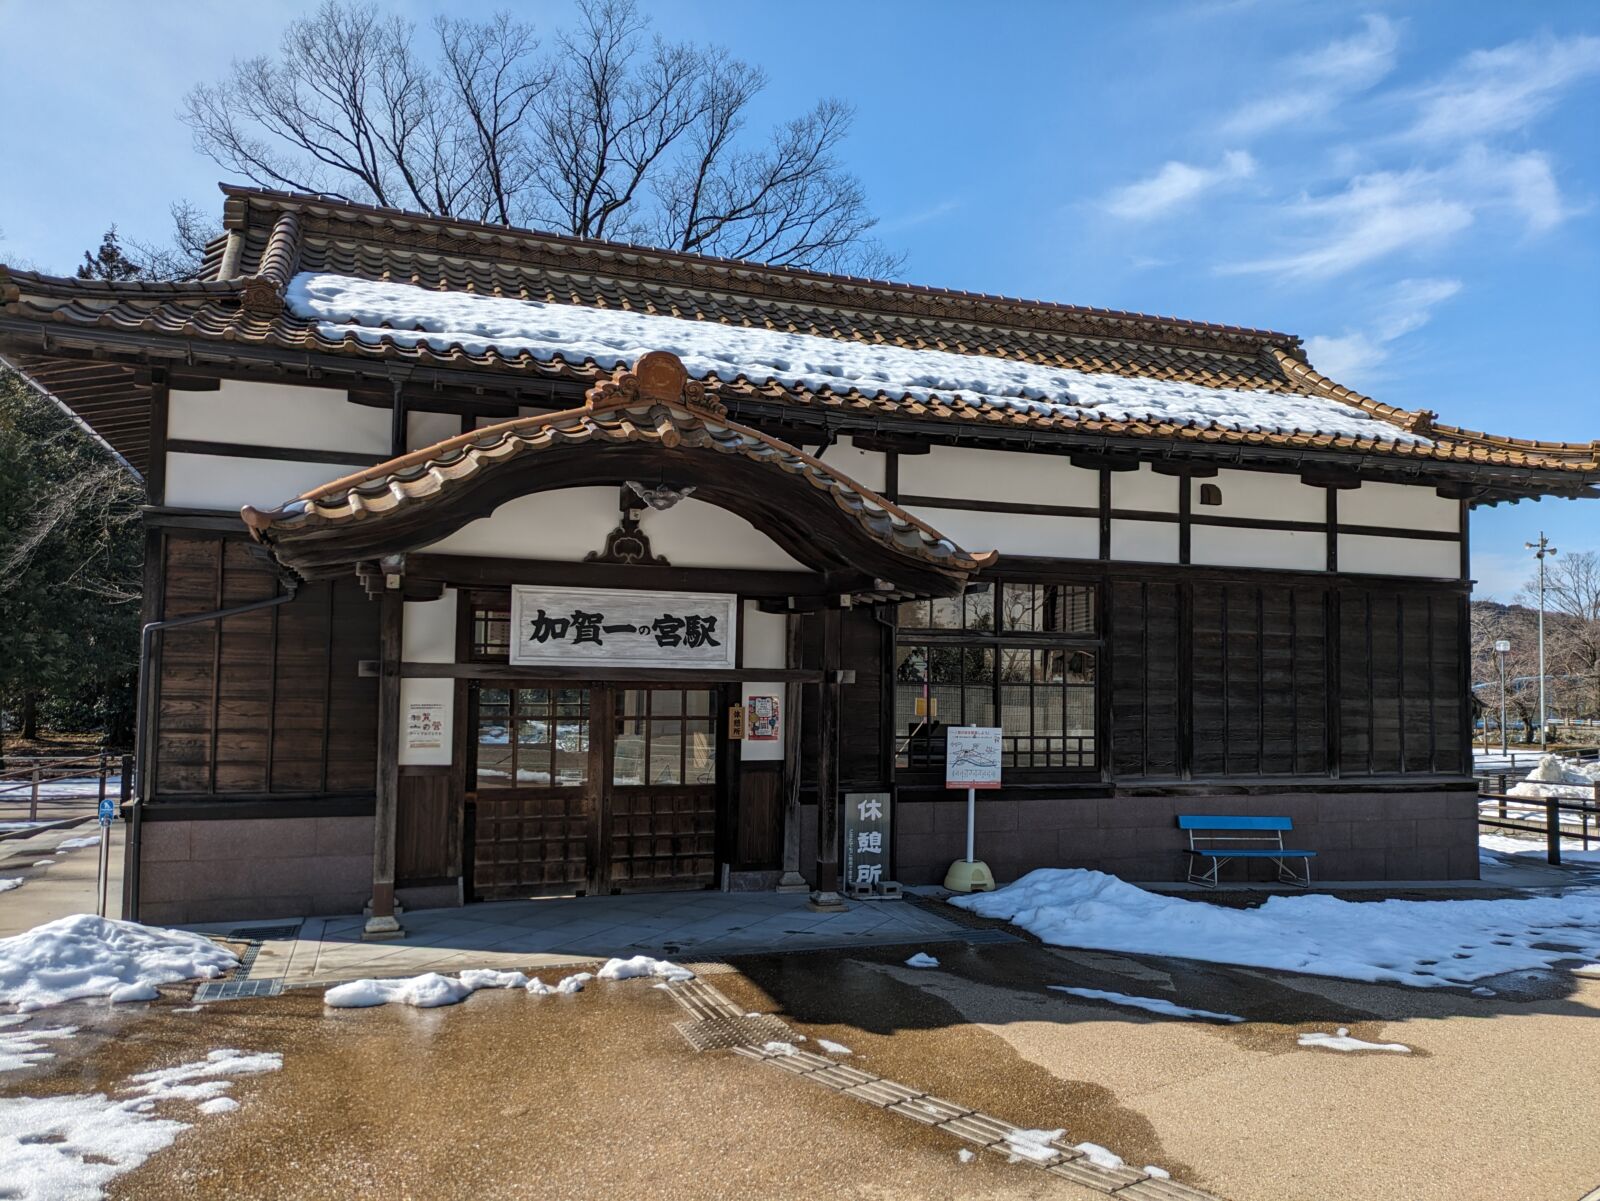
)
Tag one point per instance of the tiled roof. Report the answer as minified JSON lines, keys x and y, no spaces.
{"x":653,"y":407}
{"x":273,"y":236}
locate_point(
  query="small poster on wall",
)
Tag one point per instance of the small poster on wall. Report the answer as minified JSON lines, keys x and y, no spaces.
{"x":425,"y":726}
{"x":763,"y":720}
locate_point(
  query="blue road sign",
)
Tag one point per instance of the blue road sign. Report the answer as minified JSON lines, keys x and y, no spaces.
{"x":108,"y":811}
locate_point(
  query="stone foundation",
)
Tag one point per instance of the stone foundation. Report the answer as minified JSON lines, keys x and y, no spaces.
{"x":1357,"y":836}
{"x":253,"y":868}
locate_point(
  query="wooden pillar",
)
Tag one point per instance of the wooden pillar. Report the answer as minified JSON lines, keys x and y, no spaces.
{"x":381,"y":922}
{"x":826,"y":893}
{"x":793,"y":692}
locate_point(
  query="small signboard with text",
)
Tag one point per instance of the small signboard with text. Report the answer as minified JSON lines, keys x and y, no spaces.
{"x":598,"y":627}
{"x":425,"y":726}
{"x":972,"y":757}
{"x":866,"y":840}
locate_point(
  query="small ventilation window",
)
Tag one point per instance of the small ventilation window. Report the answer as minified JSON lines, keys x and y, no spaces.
{"x":1210,"y":494}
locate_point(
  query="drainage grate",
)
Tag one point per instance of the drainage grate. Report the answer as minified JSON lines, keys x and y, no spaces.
{"x":232,"y":990}
{"x":987,"y":936}
{"x":239,"y":983}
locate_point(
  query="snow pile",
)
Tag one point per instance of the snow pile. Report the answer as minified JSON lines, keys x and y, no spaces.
{"x":1426,"y":944}
{"x":88,"y":956}
{"x":1560,"y":778}
{"x":372,"y":312}
{"x":922,"y":959}
{"x":427,"y":991}
{"x":55,"y":1148}
{"x":1152,"y":1004}
{"x":568,"y":985}
{"x":776,"y":1047}
{"x":1343,"y":1042}
{"x":1033,"y":1145}
{"x":476,"y":978}
{"x":24,"y":1048}
{"x":73,"y":844}
{"x":833,"y":1048}
{"x":642,"y":966}
{"x":7,"y":885}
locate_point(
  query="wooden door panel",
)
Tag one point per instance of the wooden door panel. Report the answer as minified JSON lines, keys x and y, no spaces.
{"x":530,"y":844}
{"x":663,"y":837}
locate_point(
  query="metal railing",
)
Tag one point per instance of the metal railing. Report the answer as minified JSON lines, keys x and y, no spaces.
{"x":29,"y":780}
{"x":1554,"y":817}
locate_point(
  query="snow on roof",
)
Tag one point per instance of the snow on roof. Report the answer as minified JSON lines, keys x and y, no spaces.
{"x":408,"y":315}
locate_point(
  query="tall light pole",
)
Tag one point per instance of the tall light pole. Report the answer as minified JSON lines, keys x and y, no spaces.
{"x":1541,"y":549}
{"x":1501,"y":646}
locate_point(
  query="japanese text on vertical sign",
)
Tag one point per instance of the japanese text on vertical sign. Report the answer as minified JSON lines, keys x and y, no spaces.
{"x":866,"y":839}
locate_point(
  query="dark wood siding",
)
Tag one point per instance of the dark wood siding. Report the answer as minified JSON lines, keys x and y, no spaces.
{"x":1244,"y":685}
{"x":866,"y":715}
{"x":1400,"y":682}
{"x":266,"y":702}
{"x":1145,"y":656}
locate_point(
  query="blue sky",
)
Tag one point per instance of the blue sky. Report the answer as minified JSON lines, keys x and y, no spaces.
{"x":1412,"y":187}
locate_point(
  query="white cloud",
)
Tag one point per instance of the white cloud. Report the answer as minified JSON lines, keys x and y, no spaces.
{"x":1176,"y":184}
{"x":1314,"y":83}
{"x":1350,"y":356}
{"x":1507,"y":88}
{"x":1387,"y":213}
{"x":920,"y":217}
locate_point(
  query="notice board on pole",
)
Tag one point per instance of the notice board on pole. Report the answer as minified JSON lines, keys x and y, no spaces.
{"x":972,"y":757}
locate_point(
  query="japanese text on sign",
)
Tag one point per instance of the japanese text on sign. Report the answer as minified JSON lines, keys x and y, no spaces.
{"x":866,"y":840}
{"x":972,"y":757}
{"x":623,"y":628}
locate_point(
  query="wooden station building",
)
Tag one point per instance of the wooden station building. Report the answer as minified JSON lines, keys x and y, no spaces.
{"x":525,"y":526}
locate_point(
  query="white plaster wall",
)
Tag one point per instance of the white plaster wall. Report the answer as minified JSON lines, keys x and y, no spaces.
{"x":1399,"y":506}
{"x":956,"y":471}
{"x":1144,"y":489}
{"x":258,"y":414}
{"x":428,"y":635}
{"x":1144,"y":541}
{"x":1016,"y":533}
{"x":765,"y":645}
{"x":869,"y":468}
{"x":220,"y":482}
{"x":1399,"y":556}
{"x":424,"y":429}
{"x":1263,"y":494}
{"x":567,"y":524}
{"x":1285,"y":550}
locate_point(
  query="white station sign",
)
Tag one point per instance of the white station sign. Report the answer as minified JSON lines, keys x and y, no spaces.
{"x":623,"y":628}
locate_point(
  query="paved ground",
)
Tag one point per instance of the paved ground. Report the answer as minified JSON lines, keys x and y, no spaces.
{"x":688,"y":926}
{"x":67,"y":886}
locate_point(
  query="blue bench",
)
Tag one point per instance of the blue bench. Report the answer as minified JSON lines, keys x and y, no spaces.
{"x":1216,"y":841}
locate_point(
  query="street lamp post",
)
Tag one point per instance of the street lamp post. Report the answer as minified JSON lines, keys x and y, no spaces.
{"x":1502,"y":646}
{"x":1541,"y":549}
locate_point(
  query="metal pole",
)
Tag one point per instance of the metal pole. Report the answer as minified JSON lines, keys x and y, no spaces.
{"x":1502,"y":702}
{"x":1552,"y":831}
{"x":972,"y":820}
{"x":105,"y":844}
{"x":1542,"y":742}
{"x":33,"y":805}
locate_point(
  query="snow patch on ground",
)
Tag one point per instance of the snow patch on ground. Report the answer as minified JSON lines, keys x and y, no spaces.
{"x":8,"y":884}
{"x":1152,"y":1004}
{"x":70,"y":1148}
{"x":1099,"y":1156}
{"x":568,"y":985}
{"x":373,"y":311}
{"x":965,"y":1156}
{"x":779,"y":1048}
{"x":476,"y":978}
{"x":922,"y":959}
{"x":1426,"y":944}
{"x":427,"y":991}
{"x":24,"y":1048}
{"x":1033,"y":1145}
{"x":88,"y":956}
{"x":1555,"y":776}
{"x":642,"y":967}
{"x":1343,"y":1042}
{"x":73,"y":844}
{"x":1150,"y":1169}
{"x":833,"y":1048}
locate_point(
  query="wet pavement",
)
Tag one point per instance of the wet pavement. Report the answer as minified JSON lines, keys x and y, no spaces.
{"x":507,"y":1095}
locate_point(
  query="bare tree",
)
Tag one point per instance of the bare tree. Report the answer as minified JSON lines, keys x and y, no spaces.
{"x":1572,"y":630}
{"x":612,"y":133}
